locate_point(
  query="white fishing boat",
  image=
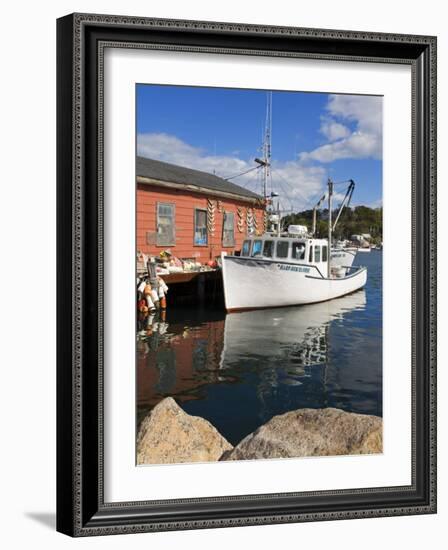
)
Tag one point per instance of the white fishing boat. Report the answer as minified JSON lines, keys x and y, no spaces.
{"x":289,"y":268}
{"x":284,"y":271}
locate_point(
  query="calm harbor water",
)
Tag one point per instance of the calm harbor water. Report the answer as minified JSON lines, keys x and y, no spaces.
{"x":239,"y":370}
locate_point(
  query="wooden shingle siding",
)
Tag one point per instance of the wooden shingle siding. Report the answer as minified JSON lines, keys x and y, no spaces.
{"x":185,"y":204}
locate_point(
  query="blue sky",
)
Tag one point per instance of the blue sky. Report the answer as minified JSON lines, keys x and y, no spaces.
{"x":314,"y":136}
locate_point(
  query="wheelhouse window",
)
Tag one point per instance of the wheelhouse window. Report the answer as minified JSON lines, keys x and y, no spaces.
{"x":324,"y":253}
{"x":298,"y":251}
{"x":310,"y":257}
{"x":257,"y":248}
{"x":245,"y":251}
{"x":200,"y":227}
{"x":228,"y":229}
{"x":282,"y":249}
{"x":165,"y":224}
{"x":268,"y":249}
{"x":317,"y":253}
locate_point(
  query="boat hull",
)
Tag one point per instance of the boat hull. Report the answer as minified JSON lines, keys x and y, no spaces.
{"x":256,"y":283}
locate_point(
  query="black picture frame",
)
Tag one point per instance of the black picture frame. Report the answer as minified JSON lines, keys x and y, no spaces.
{"x":81,"y":510}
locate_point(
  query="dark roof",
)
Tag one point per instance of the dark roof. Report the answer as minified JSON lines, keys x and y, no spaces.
{"x":163,"y":171}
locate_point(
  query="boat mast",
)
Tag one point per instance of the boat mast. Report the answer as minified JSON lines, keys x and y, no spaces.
{"x":330,"y":201}
{"x":267,"y":145}
{"x":266,"y":150}
{"x":278,"y":217}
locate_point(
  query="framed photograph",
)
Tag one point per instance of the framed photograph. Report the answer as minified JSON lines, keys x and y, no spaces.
{"x":246,"y":274}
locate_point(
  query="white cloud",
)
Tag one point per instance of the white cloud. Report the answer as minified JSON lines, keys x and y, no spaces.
{"x":333,"y":130}
{"x":365,"y":141}
{"x":298,"y":185}
{"x":169,"y":148}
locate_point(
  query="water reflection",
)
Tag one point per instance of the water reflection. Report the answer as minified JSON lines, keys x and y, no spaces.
{"x":177,"y":356}
{"x":239,"y":370}
{"x":297,"y":335}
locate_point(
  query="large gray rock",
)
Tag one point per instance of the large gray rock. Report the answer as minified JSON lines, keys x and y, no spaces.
{"x":168,"y":435}
{"x":312,"y":432}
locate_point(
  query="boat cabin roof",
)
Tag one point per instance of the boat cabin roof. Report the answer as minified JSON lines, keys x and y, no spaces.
{"x":286,"y":237}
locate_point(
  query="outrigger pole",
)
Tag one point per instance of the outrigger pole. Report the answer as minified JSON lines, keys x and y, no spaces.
{"x":321,"y":200}
{"x":345,"y":201}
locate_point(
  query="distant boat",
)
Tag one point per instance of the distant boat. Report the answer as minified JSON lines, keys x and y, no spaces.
{"x":343,"y":255}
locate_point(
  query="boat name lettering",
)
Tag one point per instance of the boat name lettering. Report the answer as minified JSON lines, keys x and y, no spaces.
{"x":293,"y":268}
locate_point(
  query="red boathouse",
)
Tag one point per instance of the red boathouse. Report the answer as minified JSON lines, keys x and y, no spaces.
{"x":193,"y":213}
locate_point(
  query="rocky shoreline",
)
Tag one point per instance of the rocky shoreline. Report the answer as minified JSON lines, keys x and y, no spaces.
{"x":168,"y":435}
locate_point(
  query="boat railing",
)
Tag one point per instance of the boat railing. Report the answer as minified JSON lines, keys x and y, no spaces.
{"x":353,"y":267}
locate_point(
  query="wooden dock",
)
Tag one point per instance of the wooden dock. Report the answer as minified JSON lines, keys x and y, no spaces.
{"x":194,"y":287}
{"x":191,"y":276}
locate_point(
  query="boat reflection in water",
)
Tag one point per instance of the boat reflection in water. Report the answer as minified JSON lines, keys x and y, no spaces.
{"x":240,"y":369}
{"x":297,"y":335}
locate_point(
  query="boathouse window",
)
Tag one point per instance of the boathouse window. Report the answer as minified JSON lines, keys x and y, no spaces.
{"x":200,"y":227}
{"x":228,"y":229}
{"x":324,"y":253}
{"x":256,"y":248}
{"x":165,"y":224}
{"x":268,"y":249}
{"x":317,"y":253}
{"x":282,"y":249}
{"x":298,"y":251}
{"x":246,"y":248}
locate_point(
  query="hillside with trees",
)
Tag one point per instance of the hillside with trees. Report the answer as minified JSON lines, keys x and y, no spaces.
{"x":353,"y":221}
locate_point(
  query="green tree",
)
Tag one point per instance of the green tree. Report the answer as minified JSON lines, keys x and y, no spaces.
{"x":353,"y":221}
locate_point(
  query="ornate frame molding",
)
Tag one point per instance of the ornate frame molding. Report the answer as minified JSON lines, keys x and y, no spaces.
{"x":82,"y":39}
